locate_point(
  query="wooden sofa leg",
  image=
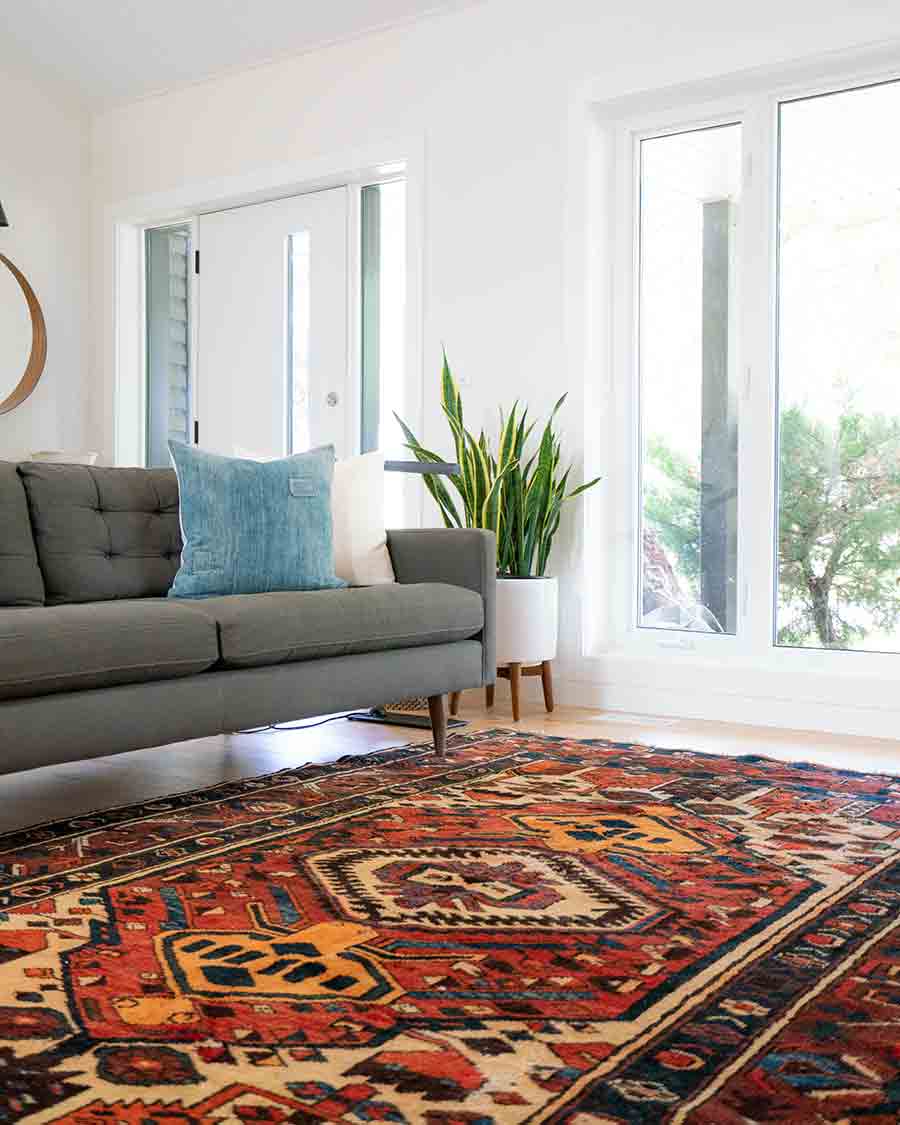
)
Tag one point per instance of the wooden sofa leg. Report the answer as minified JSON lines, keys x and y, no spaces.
{"x":438,"y":723}
{"x":454,"y":702}
{"x":489,"y":695}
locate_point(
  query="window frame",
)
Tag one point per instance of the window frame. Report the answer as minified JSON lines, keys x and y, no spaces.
{"x":754,"y":102}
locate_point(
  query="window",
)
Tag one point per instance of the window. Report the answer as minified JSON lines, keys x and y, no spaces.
{"x":839,"y":371}
{"x":690,"y":186}
{"x":168,"y":396}
{"x":757,"y":350}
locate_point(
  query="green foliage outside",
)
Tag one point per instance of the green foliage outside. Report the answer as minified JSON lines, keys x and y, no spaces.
{"x":673,"y":508}
{"x":839,"y":525}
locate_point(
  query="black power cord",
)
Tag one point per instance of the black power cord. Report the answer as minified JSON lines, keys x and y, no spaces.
{"x":292,"y":726}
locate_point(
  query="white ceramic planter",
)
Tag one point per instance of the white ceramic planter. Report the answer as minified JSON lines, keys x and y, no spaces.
{"x":527,"y":620}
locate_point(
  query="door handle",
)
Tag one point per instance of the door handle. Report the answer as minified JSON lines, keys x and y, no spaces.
{"x":332,"y":398}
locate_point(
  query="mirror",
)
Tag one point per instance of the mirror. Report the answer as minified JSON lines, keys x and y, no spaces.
{"x":23,"y":337}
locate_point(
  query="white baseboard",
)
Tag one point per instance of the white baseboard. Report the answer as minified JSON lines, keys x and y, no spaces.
{"x":792,"y":713}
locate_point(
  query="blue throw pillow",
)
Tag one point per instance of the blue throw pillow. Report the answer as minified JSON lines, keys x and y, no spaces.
{"x":251,"y":526}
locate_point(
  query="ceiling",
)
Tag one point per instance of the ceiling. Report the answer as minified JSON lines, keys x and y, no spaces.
{"x":109,"y":51}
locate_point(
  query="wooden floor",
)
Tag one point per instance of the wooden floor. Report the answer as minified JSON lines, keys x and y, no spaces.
{"x":82,"y":787}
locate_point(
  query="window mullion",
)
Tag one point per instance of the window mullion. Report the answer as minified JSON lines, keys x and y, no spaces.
{"x":756,"y":333}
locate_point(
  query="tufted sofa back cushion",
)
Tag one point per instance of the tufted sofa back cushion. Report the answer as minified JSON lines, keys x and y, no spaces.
{"x":103,"y":533}
{"x":20,"y":578}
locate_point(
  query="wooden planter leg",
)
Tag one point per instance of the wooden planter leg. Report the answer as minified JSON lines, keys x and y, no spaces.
{"x":454,"y":702}
{"x":438,"y":723}
{"x":489,"y":695}
{"x":547,"y":681}
{"x":515,"y":673}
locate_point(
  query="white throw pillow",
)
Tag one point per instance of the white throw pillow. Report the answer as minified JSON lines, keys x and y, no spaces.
{"x":361,"y":556}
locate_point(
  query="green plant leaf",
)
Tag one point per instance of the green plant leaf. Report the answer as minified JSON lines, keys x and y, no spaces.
{"x":583,"y":487}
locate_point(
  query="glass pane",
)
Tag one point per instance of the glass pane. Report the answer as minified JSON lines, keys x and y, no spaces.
{"x":689,"y":192}
{"x":839,"y":372}
{"x":298,"y":342}
{"x":384,"y":326}
{"x":169,"y":411}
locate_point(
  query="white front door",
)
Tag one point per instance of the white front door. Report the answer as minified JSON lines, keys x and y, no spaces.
{"x":272,"y":327}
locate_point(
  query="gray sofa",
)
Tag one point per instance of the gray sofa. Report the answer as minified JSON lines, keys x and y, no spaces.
{"x":94,"y":659}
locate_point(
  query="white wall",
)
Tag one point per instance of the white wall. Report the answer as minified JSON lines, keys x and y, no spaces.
{"x":44,"y":153}
{"x":494,"y":90}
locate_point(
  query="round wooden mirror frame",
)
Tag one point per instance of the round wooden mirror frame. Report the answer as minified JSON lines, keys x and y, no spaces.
{"x":36,"y":360}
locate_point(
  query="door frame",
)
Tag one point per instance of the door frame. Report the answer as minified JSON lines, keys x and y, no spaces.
{"x":121,"y":349}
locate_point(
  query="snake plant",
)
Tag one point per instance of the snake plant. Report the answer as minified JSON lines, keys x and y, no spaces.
{"x":517,"y":495}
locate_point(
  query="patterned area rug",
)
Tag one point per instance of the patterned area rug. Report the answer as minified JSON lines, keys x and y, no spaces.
{"x":531,"y":930}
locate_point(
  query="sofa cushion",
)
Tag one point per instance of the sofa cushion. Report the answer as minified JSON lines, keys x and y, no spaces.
{"x":76,"y":647}
{"x":103,"y":533}
{"x":251,"y":527}
{"x":261,"y":629}
{"x":20,"y":577}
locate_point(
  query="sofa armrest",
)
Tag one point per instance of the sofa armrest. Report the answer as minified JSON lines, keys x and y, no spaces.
{"x":460,"y":557}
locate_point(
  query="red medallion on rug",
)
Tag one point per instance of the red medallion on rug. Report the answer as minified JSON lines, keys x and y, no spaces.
{"x":530,"y":930}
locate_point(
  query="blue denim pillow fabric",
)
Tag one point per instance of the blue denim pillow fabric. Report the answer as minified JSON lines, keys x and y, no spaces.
{"x":253,"y":526}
